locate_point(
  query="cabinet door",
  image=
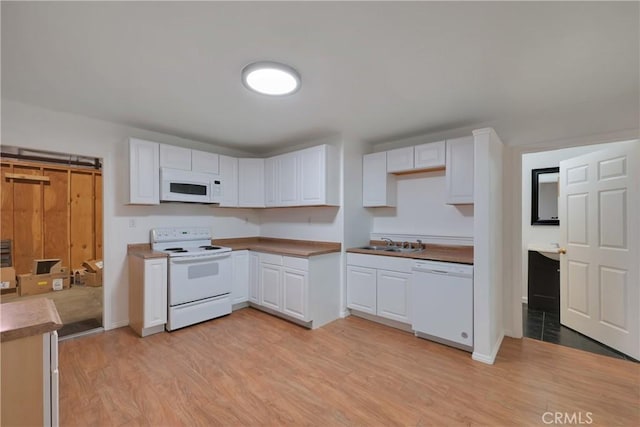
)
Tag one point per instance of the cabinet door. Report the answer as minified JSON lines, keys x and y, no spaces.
{"x":400,"y":160}
{"x":144,"y":172}
{"x":270,"y":286}
{"x":175,"y":157}
{"x":429,"y":156}
{"x":460,"y":170}
{"x":288,"y":179}
{"x":251,"y":183}
{"x":361,"y":289}
{"x":155,"y":292}
{"x":240,"y":289}
{"x":254,"y":277}
{"x":271,"y":181}
{"x":378,"y":187}
{"x":394,"y":296}
{"x":202,"y":161}
{"x":294,"y":293}
{"x":229,"y":177}
{"x":313,"y":175}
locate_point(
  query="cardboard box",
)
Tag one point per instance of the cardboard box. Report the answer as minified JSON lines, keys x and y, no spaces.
{"x":47,"y":266}
{"x":93,"y":279}
{"x":7,"y":278}
{"x":93,"y":275}
{"x":33,"y":284}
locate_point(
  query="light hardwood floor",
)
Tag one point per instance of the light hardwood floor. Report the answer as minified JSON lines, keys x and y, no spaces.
{"x":250,"y":368}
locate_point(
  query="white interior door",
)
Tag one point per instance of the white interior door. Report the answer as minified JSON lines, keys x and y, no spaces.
{"x":599,"y":209}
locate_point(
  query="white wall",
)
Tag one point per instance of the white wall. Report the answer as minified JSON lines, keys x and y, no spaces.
{"x":488,"y":324}
{"x":421,"y":207}
{"x":37,"y":128}
{"x":305,"y":223}
{"x":541,"y":234}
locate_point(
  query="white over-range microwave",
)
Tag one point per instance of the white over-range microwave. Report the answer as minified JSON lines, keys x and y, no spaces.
{"x":186,"y":186}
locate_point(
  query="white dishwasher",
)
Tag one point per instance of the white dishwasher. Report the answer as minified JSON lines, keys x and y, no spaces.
{"x":442,"y":303}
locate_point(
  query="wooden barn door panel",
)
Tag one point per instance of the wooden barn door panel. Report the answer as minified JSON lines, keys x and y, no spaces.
{"x":56,"y":215}
{"x":27,"y":225}
{"x":82,"y":218}
{"x":98,"y":211}
{"x":6,"y":204}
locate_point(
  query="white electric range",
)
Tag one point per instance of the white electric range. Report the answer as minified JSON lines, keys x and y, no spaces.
{"x":199,"y":275}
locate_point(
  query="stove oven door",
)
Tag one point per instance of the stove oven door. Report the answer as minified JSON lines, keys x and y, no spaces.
{"x":199,"y":277}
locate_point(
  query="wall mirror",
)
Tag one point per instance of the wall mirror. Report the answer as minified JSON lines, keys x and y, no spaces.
{"x":544,"y":196}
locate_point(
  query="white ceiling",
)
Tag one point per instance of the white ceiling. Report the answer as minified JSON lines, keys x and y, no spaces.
{"x":370,"y":70}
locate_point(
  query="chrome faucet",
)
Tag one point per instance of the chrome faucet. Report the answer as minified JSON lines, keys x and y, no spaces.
{"x":419,"y":243}
{"x":389,"y":241}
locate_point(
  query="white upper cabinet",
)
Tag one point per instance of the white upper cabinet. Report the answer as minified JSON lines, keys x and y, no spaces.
{"x":271,"y":182}
{"x":287,"y":177}
{"x":430,"y":156}
{"x":144,"y":172}
{"x":308,"y":177}
{"x":419,"y":157}
{"x":229,"y":177}
{"x":459,"y":173}
{"x":175,"y":157}
{"x":202,"y":161}
{"x":251,"y":183}
{"x":378,"y":187}
{"x":400,"y":160}
{"x":319,"y":176}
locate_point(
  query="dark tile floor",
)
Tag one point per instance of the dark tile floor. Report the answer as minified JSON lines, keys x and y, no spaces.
{"x":545,"y":326}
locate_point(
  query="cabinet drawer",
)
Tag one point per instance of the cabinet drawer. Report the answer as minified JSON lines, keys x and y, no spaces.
{"x":296,"y":263}
{"x":271,"y":258}
{"x":381,"y":262}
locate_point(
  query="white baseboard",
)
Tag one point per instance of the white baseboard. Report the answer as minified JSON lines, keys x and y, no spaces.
{"x":345,"y":313}
{"x":486,"y":358}
{"x":118,"y":324}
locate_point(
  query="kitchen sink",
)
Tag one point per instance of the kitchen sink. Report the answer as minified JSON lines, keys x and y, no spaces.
{"x":390,"y":249}
{"x":402,"y":250}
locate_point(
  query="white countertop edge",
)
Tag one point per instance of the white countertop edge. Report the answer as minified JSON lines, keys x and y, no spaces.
{"x":543,"y":248}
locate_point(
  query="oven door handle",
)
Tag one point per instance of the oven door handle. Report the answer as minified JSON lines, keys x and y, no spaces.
{"x":197,"y":260}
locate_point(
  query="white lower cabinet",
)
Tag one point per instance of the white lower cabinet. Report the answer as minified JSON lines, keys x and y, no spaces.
{"x":304,"y":289}
{"x":147,"y":294}
{"x":270,"y":277}
{"x":380,"y":286}
{"x":240,"y":277}
{"x":294,"y":293}
{"x":254,"y":277}
{"x":393,"y":295}
{"x":361,"y":289}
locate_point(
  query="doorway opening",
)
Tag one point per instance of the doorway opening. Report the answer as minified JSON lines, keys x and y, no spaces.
{"x":543,"y":242}
{"x":51,"y":234}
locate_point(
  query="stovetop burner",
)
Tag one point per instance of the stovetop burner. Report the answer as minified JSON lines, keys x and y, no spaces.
{"x":185,"y":242}
{"x":209,"y":247}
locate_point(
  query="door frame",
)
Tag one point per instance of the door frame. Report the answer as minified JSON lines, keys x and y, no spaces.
{"x":512,"y":228}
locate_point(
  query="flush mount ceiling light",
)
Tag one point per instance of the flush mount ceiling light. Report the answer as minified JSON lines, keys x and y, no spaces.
{"x":271,"y":78}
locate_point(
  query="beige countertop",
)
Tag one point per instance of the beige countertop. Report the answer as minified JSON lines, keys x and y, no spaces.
{"x":297,"y":248}
{"x":445,"y":253}
{"x":143,"y":250}
{"x":23,"y":319}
